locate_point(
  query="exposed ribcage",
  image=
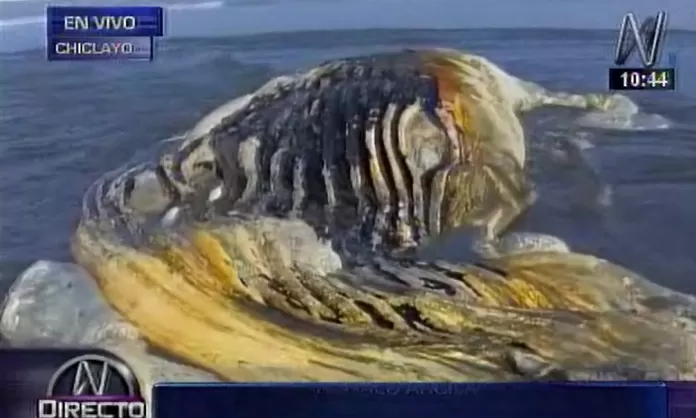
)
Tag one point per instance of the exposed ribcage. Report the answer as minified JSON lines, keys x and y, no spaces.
{"x":328,"y":151}
{"x":355,"y":148}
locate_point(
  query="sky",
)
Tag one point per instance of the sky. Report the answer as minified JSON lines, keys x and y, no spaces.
{"x":20,"y":20}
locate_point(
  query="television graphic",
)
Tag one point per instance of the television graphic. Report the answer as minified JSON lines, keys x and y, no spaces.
{"x":102,"y":33}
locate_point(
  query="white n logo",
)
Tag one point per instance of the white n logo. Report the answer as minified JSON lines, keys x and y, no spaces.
{"x":85,"y":379}
{"x":650,"y":35}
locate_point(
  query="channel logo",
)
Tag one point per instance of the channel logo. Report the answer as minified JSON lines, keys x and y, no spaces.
{"x":93,"y":386}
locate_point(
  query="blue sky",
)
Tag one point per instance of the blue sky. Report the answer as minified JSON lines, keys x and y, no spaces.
{"x":229,"y":17}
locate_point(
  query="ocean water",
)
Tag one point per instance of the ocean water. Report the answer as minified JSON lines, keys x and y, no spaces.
{"x":22,"y":21}
{"x":619,"y":186}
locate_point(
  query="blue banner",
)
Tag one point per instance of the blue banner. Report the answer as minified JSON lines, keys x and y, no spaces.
{"x":68,"y":48}
{"x":412,"y":400}
{"x":104,"y":21}
{"x":681,"y":399}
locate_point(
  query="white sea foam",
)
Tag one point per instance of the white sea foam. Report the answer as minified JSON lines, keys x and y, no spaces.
{"x":203,"y":5}
{"x":638,"y":121}
{"x":23,"y":21}
{"x":622,"y":113}
{"x":525,"y":242}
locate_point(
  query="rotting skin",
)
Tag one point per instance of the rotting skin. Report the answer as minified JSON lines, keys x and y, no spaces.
{"x":242,"y":286}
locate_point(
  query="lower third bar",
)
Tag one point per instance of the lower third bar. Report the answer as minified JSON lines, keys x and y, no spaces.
{"x":442,"y":400}
{"x":71,"y":48}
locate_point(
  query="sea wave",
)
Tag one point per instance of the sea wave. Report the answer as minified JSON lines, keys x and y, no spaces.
{"x":193,"y":6}
{"x":614,"y":120}
{"x":22,"y":21}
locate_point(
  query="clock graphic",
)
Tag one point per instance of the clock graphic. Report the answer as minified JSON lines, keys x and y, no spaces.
{"x":642,"y":79}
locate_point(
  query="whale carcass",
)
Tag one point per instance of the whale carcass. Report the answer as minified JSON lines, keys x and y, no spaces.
{"x":271,"y":242}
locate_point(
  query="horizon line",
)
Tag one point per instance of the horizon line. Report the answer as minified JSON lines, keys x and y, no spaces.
{"x":396,"y":28}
